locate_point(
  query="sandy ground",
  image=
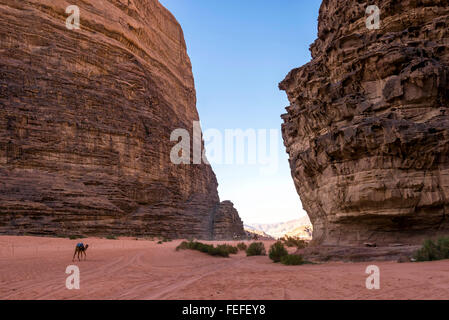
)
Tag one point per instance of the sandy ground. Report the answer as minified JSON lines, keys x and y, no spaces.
{"x":34,"y":268}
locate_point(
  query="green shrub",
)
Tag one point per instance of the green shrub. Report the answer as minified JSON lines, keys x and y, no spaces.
{"x":242,"y":246}
{"x":72,"y":237}
{"x":160,"y":242}
{"x":256,"y":249}
{"x":205,"y":248}
{"x":294,"y":242}
{"x":218,"y":251}
{"x":111,"y":237}
{"x":183,"y":246}
{"x":277,"y":251}
{"x":230,"y":249}
{"x":221,"y":250}
{"x":431,"y":251}
{"x":443,"y":246}
{"x":292,"y":260}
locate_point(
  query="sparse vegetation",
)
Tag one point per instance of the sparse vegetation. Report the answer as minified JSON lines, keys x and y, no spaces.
{"x":256,"y":249}
{"x":242,"y":246}
{"x":111,"y":237}
{"x":294,"y":242}
{"x":184,"y":245}
{"x":160,"y":242}
{"x":277,"y":251}
{"x":431,"y":250}
{"x":222,"y":250}
{"x":292,"y":260}
{"x":73,"y":237}
{"x":228,"y":248}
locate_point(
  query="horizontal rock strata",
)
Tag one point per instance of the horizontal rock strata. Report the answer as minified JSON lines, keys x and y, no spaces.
{"x":367,"y":130}
{"x":227,"y":222}
{"x":85,"y":123}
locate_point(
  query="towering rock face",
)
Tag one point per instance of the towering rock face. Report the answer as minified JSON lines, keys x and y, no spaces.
{"x":85,"y":122}
{"x":227,"y":222}
{"x":367,"y":130}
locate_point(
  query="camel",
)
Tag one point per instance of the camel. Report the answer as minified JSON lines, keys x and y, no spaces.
{"x":80,"y":249}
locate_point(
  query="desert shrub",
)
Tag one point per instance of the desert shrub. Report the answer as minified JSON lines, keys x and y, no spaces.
{"x":183,"y":246}
{"x":443,"y":246}
{"x":110,"y":237}
{"x":294,"y":242}
{"x":292,"y":260}
{"x":73,"y":237}
{"x":431,"y":251}
{"x":202,"y":247}
{"x":242,"y":246}
{"x":277,"y":251}
{"x":160,"y":242}
{"x":256,"y":249}
{"x":221,"y":250}
{"x":230,"y":249}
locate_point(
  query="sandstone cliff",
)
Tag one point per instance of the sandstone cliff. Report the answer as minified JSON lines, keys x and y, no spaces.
{"x":367,"y":130}
{"x":227,"y":222}
{"x":85,"y":123}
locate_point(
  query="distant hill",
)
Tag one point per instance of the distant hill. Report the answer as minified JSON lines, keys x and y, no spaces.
{"x":251,"y":231}
{"x":301,"y":227}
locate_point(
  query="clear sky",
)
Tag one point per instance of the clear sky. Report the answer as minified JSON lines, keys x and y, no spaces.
{"x":240,"y":50}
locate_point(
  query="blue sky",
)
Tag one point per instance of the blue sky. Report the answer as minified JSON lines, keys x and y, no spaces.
{"x":240,"y":50}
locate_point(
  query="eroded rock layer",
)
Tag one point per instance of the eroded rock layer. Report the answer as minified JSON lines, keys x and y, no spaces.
{"x":85,"y":123}
{"x":225,"y":216}
{"x":367,"y":130}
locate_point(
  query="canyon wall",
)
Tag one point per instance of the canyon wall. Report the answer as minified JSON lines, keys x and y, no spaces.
{"x":367,"y":129}
{"x":85,"y":123}
{"x":227,"y":222}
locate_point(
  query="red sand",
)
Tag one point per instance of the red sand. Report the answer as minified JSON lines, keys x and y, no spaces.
{"x":34,"y":268}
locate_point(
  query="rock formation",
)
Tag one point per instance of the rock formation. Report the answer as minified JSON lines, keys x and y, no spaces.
{"x":367,"y":130}
{"x":227,"y":222}
{"x":85,"y":123}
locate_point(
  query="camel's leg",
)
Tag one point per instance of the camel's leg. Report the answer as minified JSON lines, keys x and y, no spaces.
{"x":85,"y":254}
{"x":79,"y":252}
{"x":73,"y":259}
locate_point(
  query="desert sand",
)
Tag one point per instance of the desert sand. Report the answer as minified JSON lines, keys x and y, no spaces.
{"x":34,"y":268}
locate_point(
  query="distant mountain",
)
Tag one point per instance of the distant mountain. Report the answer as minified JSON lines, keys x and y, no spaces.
{"x":301,"y":227}
{"x":251,"y":231}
